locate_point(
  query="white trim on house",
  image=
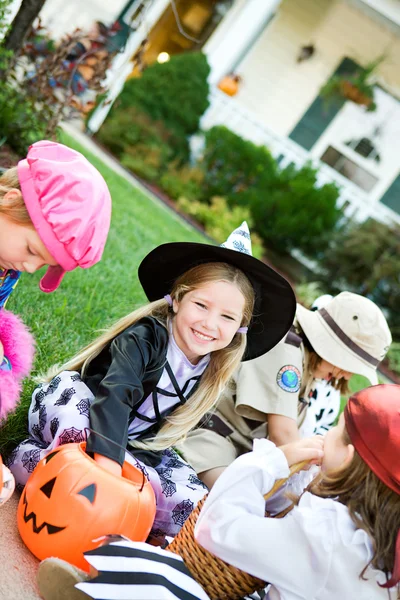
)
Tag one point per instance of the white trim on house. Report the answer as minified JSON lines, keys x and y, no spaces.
{"x":122,"y":65}
{"x":387,"y":11}
{"x":236,"y":34}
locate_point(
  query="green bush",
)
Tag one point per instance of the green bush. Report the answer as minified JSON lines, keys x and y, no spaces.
{"x":295,"y":213}
{"x":233,"y":166}
{"x":394,"y":357}
{"x":365,"y":258}
{"x":307,"y":292}
{"x":141,"y":144}
{"x":219,"y":220}
{"x":288,"y":209}
{"x":174,"y":93}
{"x":186,"y":181}
{"x":19,"y":123}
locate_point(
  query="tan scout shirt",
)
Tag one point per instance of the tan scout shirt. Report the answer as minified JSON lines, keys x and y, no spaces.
{"x":270,"y":384}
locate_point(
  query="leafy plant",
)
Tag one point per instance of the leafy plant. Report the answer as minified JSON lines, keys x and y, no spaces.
{"x":142,"y":144}
{"x":307,"y":292}
{"x":358,"y":87}
{"x":186,"y":181}
{"x":174,"y":93}
{"x":365,"y":258}
{"x":39,"y":88}
{"x":394,"y":357}
{"x":295,"y":213}
{"x":288,"y":208}
{"x":233,"y":166}
{"x":220,"y":220}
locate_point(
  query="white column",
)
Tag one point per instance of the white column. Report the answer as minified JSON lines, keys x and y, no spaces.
{"x":122,"y":65}
{"x":236,"y":34}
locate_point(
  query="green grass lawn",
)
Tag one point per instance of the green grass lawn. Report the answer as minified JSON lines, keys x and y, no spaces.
{"x":92,"y":299}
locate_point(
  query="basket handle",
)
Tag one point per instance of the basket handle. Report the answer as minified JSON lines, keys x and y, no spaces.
{"x":280,"y":482}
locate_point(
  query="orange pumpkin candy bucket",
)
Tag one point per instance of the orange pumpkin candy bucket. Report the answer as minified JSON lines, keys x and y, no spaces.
{"x":69,"y":501}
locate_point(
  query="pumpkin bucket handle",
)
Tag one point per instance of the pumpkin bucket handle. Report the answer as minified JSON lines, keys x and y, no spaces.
{"x":88,"y":429}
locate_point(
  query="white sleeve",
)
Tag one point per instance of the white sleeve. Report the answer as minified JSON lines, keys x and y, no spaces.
{"x":232,"y":526}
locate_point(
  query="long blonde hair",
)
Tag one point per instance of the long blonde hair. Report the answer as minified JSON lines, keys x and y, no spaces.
{"x":13,"y":208}
{"x":222,"y":363}
{"x":372,"y":506}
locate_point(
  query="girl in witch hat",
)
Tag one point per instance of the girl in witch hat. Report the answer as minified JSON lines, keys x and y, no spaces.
{"x":150,"y":378}
{"x":342,"y":540}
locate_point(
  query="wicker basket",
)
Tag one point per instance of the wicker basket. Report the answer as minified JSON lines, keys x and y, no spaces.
{"x":218,"y":579}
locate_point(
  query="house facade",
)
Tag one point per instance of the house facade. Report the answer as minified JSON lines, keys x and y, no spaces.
{"x":284,"y":51}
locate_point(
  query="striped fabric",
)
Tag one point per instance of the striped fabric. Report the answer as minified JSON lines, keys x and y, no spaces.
{"x":137,"y":571}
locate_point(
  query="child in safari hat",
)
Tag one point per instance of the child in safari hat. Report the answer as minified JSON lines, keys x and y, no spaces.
{"x":270,"y":396}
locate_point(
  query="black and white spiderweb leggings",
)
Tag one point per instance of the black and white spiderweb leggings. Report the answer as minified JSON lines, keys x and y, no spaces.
{"x":59,"y":414}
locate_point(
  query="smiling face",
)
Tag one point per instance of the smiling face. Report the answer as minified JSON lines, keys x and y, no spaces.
{"x":207,"y":318}
{"x":21,"y":248}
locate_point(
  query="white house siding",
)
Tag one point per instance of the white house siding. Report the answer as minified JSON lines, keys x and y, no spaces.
{"x":278,"y":90}
{"x":63,"y":17}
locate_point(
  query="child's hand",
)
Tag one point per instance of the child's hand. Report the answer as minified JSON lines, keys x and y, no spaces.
{"x":111,"y":466}
{"x":310,"y":449}
{"x":8,"y":483}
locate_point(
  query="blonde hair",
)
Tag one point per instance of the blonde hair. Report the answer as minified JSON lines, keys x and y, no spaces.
{"x":13,"y":208}
{"x":222,"y":363}
{"x":372,"y":506}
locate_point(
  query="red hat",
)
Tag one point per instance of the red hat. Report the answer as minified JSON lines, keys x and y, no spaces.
{"x":372,"y":419}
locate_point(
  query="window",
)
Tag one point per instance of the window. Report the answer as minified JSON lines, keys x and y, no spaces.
{"x":348,"y":168}
{"x":365,"y":147}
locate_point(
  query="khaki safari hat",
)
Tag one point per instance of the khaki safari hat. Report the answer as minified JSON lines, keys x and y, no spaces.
{"x":350,"y":332}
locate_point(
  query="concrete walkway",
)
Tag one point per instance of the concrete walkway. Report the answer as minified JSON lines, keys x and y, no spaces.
{"x":18,"y":565}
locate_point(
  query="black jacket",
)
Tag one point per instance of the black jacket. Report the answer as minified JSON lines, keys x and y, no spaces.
{"x":121,"y":377}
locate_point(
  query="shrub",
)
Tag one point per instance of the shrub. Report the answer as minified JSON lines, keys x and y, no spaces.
{"x":394,"y":357}
{"x":288,"y":209}
{"x":219,"y":220}
{"x":174,"y":93}
{"x":308,"y":292}
{"x":365,"y":258}
{"x":40,"y":85}
{"x":141,"y":144}
{"x":183,"y":181}
{"x":20,"y":125}
{"x":295,"y":213}
{"x":233,"y":166}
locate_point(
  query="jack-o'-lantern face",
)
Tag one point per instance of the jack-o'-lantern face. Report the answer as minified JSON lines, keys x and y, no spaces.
{"x":69,"y":501}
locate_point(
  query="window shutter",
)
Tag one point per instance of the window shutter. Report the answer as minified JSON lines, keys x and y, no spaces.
{"x":391,"y":197}
{"x":318,"y":116}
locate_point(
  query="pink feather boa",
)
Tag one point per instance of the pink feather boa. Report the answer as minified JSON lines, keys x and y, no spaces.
{"x":19,"y":348}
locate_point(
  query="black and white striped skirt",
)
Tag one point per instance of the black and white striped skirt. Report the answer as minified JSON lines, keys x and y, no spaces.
{"x":137,"y":571}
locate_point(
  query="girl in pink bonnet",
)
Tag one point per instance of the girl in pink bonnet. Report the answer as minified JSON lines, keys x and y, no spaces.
{"x":55,"y":210}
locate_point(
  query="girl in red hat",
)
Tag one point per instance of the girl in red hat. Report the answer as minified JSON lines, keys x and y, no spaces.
{"x":342,"y":539}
